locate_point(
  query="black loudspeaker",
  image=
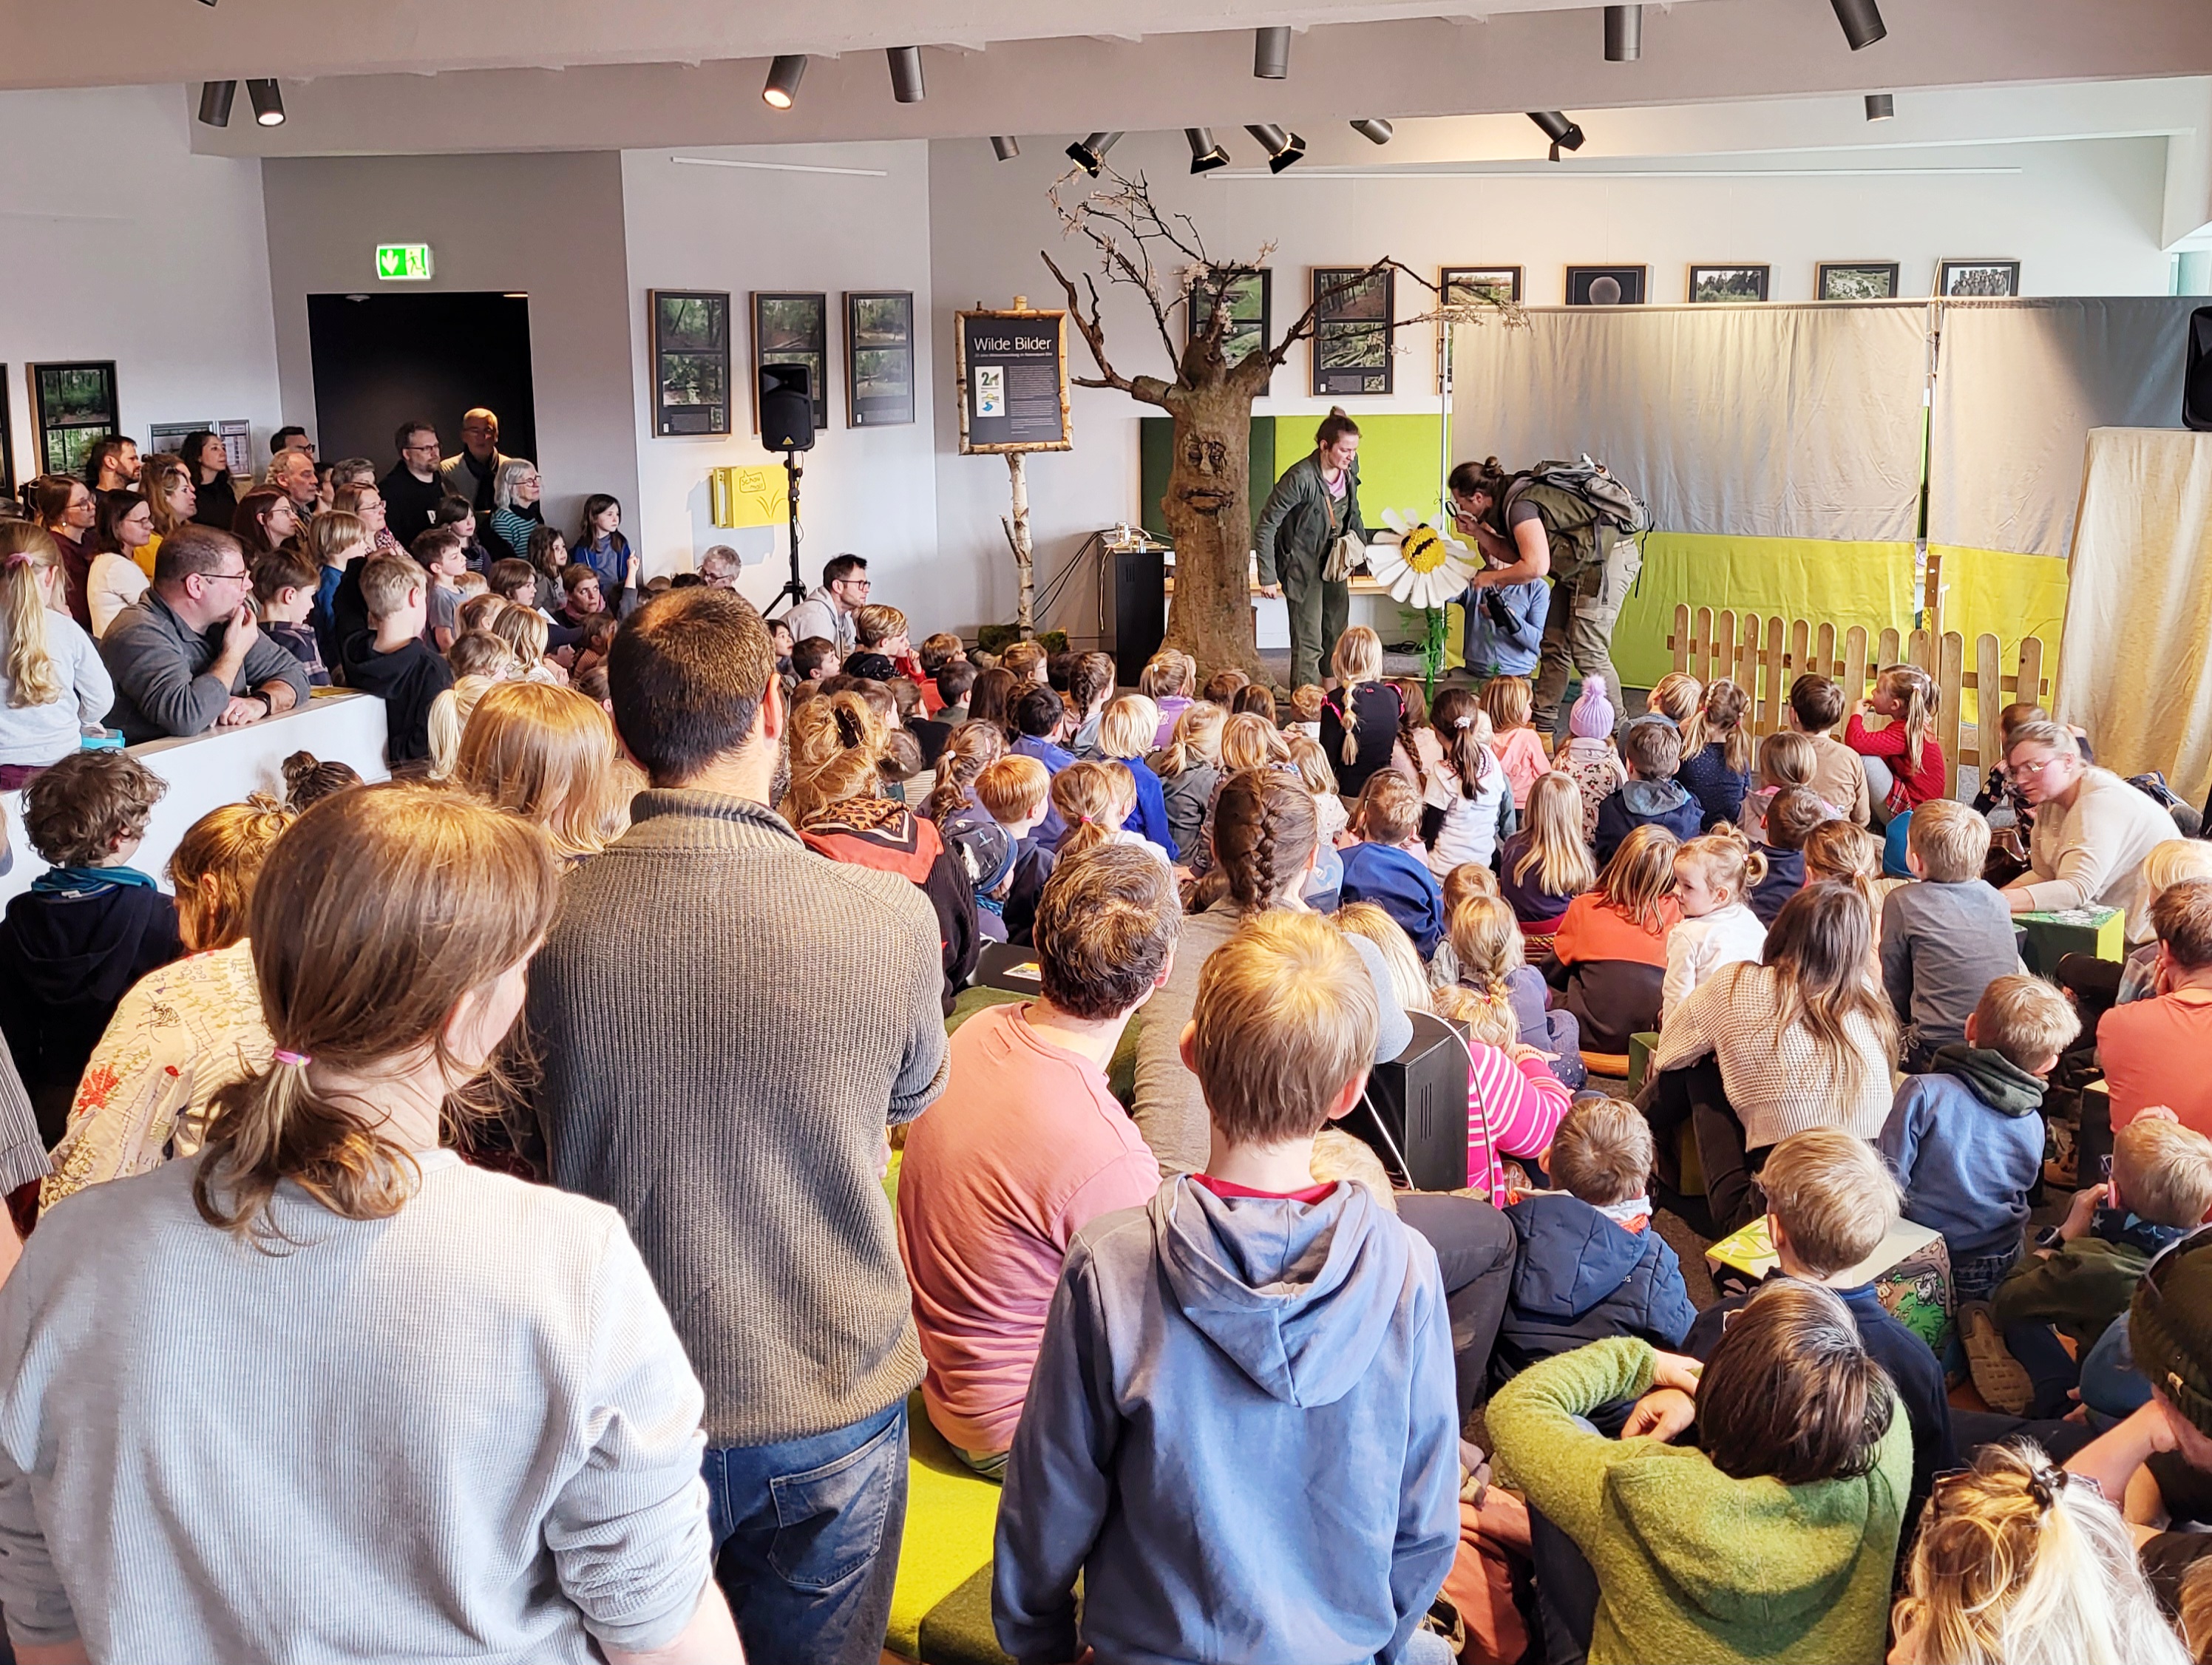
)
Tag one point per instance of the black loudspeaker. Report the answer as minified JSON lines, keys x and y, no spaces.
{"x":786,"y":407}
{"x":2196,"y":386}
{"x":1138,"y":598}
{"x":1414,"y":1116}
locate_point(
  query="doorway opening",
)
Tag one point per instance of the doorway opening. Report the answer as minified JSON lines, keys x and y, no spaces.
{"x":380,"y":360}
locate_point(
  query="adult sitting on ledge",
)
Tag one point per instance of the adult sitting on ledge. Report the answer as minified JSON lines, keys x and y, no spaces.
{"x":188,"y":656}
{"x":2093,"y":831}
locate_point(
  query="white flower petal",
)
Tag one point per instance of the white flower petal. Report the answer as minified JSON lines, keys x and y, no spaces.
{"x":1393,"y":519}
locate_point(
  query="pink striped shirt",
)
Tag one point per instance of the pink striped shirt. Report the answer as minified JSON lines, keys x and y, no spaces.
{"x":1512,"y":1110}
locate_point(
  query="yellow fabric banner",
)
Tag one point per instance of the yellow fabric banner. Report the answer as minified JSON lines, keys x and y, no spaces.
{"x":2000,"y":593}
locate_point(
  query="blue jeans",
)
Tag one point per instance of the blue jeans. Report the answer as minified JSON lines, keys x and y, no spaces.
{"x":807,"y":1535}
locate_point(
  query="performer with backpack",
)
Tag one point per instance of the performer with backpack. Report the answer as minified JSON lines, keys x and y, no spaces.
{"x":1573,"y":523}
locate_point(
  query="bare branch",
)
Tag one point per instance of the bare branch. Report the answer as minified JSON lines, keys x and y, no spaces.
{"x":1150,"y":389}
{"x":1308,"y":319}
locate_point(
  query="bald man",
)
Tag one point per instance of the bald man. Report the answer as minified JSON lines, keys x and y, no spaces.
{"x":469,"y":473}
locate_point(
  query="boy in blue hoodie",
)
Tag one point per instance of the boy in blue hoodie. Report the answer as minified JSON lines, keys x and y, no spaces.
{"x":1241,"y":1431}
{"x":1505,"y":626}
{"x":1966,"y":1140}
{"x":1591,"y":1265}
{"x":1651,"y":796}
{"x":1388,"y":867}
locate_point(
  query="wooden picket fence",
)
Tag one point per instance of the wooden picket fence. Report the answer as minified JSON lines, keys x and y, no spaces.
{"x":1762,"y":655}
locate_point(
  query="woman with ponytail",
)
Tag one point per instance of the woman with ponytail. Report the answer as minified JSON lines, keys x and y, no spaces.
{"x":1314,"y":505}
{"x":518,"y":1475}
{"x":51,"y":681}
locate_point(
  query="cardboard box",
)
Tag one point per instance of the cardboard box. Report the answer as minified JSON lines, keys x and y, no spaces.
{"x":2099,"y":932}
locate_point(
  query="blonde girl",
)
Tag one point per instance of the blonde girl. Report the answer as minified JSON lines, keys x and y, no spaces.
{"x":1486,"y":944}
{"x":1612,"y":941}
{"x":1407,"y":980}
{"x":1466,"y":789}
{"x":1360,"y":720}
{"x":1125,"y":729}
{"x":972,"y":747}
{"x":1786,"y":759}
{"x":449,"y":719}
{"x":525,"y":631}
{"x":1716,"y":756}
{"x":1189,"y":767}
{"x":1904,"y":764}
{"x":1676,"y":697}
{"x":1169,"y":679}
{"x":1713,"y":875}
{"x":1095,"y":800}
{"x":51,"y":681}
{"x":1247,"y":742}
{"x":1508,"y":702}
{"x":1547,"y":864}
{"x":1310,"y":763}
{"x":548,"y":755}
{"x":1847,"y":854}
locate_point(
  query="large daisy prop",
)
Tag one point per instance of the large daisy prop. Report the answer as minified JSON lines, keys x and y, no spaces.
{"x":1422,"y":567}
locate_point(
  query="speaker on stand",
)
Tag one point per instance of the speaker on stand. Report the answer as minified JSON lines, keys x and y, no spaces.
{"x":786,"y":424}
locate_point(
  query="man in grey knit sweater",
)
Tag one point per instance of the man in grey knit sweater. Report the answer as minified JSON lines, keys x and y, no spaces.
{"x":730,"y":1023}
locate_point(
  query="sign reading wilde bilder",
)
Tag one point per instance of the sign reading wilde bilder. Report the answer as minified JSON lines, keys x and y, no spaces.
{"x":1013,"y":380}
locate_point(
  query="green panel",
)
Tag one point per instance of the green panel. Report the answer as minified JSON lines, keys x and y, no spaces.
{"x":1399,"y":464}
{"x":1156,"y":462}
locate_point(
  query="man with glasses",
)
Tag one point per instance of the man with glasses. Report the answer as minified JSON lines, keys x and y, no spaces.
{"x":412,"y":491}
{"x":470,"y":471}
{"x":189,"y":657}
{"x":828,"y":613}
{"x":719,"y":567}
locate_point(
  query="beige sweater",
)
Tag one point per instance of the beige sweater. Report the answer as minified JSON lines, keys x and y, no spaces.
{"x":1839,"y":777}
{"x":1775,"y":1078}
{"x":2092,"y":855}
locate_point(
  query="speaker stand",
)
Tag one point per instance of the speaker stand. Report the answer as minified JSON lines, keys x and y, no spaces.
{"x":794,"y":588}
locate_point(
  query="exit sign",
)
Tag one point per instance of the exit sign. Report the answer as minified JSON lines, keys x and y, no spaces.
{"x":403,"y":262}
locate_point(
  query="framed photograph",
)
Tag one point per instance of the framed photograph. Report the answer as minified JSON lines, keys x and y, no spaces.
{"x":71,"y":406}
{"x":1353,"y":329}
{"x":1728,"y":283}
{"x":1607,"y":286}
{"x":1462,"y":284}
{"x":690,"y":362}
{"x":1251,"y":302}
{"x":1855,"y":280}
{"x":878,"y":359}
{"x":793,"y":329}
{"x":1979,"y":279}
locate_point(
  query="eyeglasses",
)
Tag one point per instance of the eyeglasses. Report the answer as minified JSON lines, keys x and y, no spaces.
{"x":863,"y":585}
{"x":427,"y":444}
{"x":2031,"y":771}
{"x":240,"y":577}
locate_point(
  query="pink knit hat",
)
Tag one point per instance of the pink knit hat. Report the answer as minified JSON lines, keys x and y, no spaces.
{"x":1591,"y":719}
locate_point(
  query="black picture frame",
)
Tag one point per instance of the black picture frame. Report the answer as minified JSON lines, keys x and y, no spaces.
{"x":1353,"y":331}
{"x":1727,"y":284}
{"x":690,"y":362}
{"x":793,"y":328}
{"x":1635,"y":284}
{"x":1983,"y":280}
{"x":1477,"y":279}
{"x":1251,"y":297}
{"x":72,"y":405}
{"x":879,"y":358}
{"x":1855,"y":280}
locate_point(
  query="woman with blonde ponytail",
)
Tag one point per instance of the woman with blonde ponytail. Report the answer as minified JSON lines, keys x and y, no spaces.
{"x":519,"y":1473}
{"x":51,"y":681}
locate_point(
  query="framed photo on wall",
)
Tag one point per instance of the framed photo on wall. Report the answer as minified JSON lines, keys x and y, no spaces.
{"x":1855,"y":280}
{"x":793,"y":329}
{"x":878,"y":359}
{"x":1353,"y":329}
{"x":1981,"y":278}
{"x":690,"y":362}
{"x":1251,"y":301}
{"x":1460,"y":285}
{"x":1607,"y":286}
{"x":1728,"y":283}
{"x":71,"y":406}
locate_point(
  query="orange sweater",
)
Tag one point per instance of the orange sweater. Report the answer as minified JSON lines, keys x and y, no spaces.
{"x":1589,"y":930}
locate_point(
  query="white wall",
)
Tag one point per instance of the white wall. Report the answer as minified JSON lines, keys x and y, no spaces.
{"x":121,"y":244}
{"x":860,"y":222}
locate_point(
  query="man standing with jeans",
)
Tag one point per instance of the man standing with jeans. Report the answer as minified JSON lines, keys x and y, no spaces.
{"x":742,"y":1131}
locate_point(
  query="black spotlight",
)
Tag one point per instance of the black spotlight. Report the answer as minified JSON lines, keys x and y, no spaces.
{"x":1565,"y":135}
{"x":1271,"y":54}
{"x":783,"y":78}
{"x":1283,"y":149}
{"x":1881,"y":106}
{"x":1861,"y":21}
{"x":1205,"y":155}
{"x":1373,"y":129}
{"x":1089,"y":153}
{"x":1005,"y":147}
{"x":215,"y":98}
{"x":268,"y":103}
{"x":1624,"y":33}
{"x":905,"y":73}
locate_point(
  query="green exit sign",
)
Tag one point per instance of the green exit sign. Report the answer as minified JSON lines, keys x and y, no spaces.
{"x":404,"y":263}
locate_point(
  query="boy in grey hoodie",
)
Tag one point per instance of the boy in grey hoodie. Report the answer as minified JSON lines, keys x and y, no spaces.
{"x":1241,"y":1433}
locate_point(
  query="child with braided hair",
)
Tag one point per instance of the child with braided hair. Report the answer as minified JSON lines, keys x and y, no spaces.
{"x":1486,"y":943}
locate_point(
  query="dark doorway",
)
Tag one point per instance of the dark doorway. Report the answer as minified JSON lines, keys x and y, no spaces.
{"x":380,"y":360}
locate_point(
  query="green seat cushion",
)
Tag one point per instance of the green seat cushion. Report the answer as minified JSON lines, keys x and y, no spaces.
{"x":958,"y":1629}
{"x":951,"y":1512}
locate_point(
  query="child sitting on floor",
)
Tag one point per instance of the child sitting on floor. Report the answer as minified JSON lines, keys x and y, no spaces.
{"x":1589,"y":758}
{"x":1785,"y":759}
{"x":1651,"y":796}
{"x":1609,"y":955}
{"x":1307,"y":699}
{"x":1299,"y":1320}
{"x":1015,"y":791}
{"x":1547,"y":864}
{"x":1388,"y":866}
{"x":1841,"y":852}
{"x":1904,"y":764}
{"x":1096,"y":800}
{"x":1716,"y":753}
{"x":1965,"y":1139}
{"x":1486,"y":945}
{"x":1674,"y":699}
{"x":1713,"y":874}
{"x":1791,"y":818}
{"x":1946,"y":937}
{"x":1816,"y":706}
{"x":1466,"y":785}
{"x":1360,"y":720}
{"x":1508,"y":701}
{"x":1514,"y":1102}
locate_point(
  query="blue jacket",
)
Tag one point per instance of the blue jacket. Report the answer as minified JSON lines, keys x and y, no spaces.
{"x":1636,"y":803}
{"x":1511,"y":649}
{"x":1719,"y":790}
{"x":1241,"y":1433}
{"x":1966,"y":1143}
{"x":1401,"y":882}
{"x":1584,"y":1278}
{"x":1785,"y":877}
{"x":1150,"y":818}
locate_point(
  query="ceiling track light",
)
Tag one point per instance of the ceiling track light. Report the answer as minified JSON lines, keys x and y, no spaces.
{"x":1373,"y":129}
{"x":906,"y":73}
{"x":1283,"y":149}
{"x":783,"y":78}
{"x":1205,"y":155}
{"x":1881,"y":106}
{"x":215,"y":98}
{"x":1005,"y":147}
{"x":268,"y":103}
{"x":1861,"y":21}
{"x":1271,"y":54}
{"x":1563,"y":134}
{"x":1624,"y":33}
{"x":1089,"y":153}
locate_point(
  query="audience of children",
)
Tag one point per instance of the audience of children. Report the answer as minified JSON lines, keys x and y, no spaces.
{"x":1716,"y":753}
{"x":1713,"y":874}
{"x":1609,"y":951}
{"x":1588,"y":757}
{"x":1651,"y":796}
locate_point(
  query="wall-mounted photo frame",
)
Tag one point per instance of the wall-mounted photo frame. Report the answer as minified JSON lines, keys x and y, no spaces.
{"x":72,"y":405}
{"x":1978,"y":279}
{"x":1855,"y":280}
{"x":1460,"y":284}
{"x":1353,"y":329}
{"x":1250,"y":297}
{"x":6,"y":438}
{"x":879,"y":358}
{"x":1727,"y":284}
{"x":690,"y":361}
{"x":1607,"y":286}
{"x":793,"y":329}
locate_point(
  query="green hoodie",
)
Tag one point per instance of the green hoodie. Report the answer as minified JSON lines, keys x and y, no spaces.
{"x":1690,"y":1564}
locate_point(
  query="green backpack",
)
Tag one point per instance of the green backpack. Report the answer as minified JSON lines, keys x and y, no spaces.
{"x":1585,"y":510}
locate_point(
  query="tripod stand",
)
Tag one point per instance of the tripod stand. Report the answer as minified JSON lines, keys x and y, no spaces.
{"x":793,"y":588}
